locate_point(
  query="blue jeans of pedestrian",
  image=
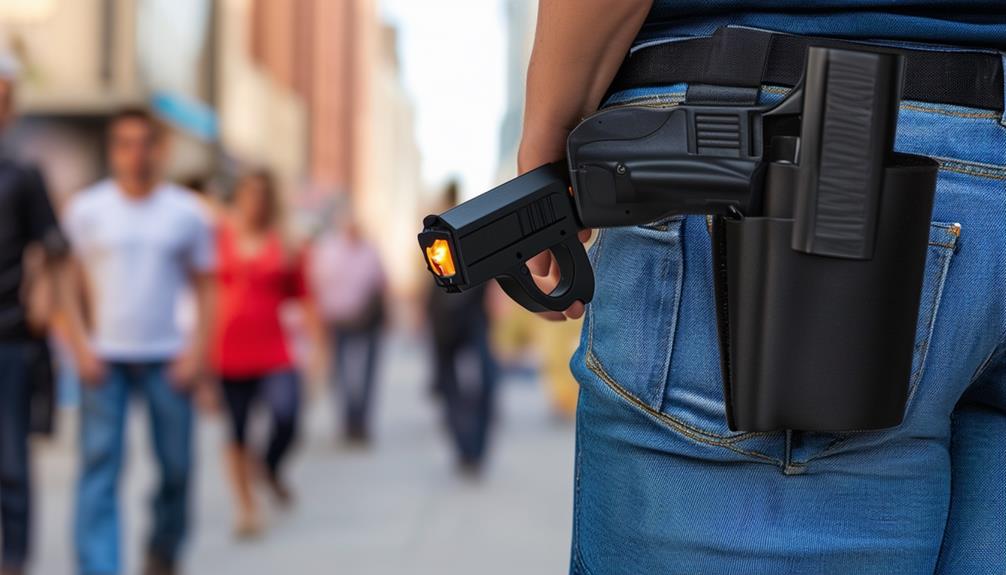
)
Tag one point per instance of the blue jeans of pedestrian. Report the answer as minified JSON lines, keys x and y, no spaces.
{"x":663,"y":486}
{"x":103,"y":418}
{"x":355,"y":351}
{"x":466,"y":373}
{"x":15,"y":480}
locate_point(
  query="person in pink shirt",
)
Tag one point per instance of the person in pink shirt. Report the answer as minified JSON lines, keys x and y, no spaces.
{"x":347,"y":279}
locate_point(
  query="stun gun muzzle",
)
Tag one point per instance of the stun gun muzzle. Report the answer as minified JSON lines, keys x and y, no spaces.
{"x":440,"y":258}
{"x":496,"y":233}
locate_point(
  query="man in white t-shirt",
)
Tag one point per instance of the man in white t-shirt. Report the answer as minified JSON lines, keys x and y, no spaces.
{"x":140,"y":243}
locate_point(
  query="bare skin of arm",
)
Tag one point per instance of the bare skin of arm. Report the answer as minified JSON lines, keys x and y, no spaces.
{"x":71,"y":290}
{"x":578,"y":47}
{"x":315,"y":328}
{"x":187,"y":368}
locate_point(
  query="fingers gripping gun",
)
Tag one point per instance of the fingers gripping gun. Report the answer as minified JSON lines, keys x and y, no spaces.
{"x":635,"y":165}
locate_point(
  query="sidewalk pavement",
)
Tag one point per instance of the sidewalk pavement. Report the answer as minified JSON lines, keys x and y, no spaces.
{"x":397,"y":508}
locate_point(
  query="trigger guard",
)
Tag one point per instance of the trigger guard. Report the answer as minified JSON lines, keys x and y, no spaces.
{"x":576,"y":280}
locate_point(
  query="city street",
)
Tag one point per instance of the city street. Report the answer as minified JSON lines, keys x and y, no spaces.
{"x":398,"y":508}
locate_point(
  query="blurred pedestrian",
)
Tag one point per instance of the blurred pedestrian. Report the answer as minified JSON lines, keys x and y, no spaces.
{"x":258,"y":273}
{"x":27,"y":225}
{"x":464,"y":367}
{"x":348,"y":281}
{"x":139,"y":242}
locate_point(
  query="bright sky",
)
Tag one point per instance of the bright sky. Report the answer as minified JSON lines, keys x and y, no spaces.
{"x":453,"y":54}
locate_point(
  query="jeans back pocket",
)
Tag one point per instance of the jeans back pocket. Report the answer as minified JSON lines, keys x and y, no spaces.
{"x":651,"y":328}
{"x":942,"y":243}
{"x":632,"y":320}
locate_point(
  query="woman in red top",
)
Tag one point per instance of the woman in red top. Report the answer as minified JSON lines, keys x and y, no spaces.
{"x":257,"y":275}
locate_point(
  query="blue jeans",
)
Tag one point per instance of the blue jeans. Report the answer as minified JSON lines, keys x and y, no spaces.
{"x":15,"y":482}
{"x":103,"y":418}
{"x":466,"y":373}
{"x":355,"y":351}
{"x":663,"y":486}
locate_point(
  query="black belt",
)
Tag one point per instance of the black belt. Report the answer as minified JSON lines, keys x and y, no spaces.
{"x":751,"y":58}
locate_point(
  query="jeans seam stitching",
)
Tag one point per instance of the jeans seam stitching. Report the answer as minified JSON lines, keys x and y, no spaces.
{"x":590,"y":335}
{"x":675,"y":309}
{"x":930,"y":328}
{"x":984,"y":365}
{"x":684,"y":429}
{"x":942,"y":245}
{"x":971,"y":172}
{"x":977,"y":170}
{"x":835,"y":443}
{"x":980,"y":115}
{"x":994,"y":169}
{"x":577,"y":554}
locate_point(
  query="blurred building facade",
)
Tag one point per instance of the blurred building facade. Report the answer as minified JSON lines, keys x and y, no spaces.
{"x":83,"y":59}
{"x":520,"y":23}
{"x":307,"y":88}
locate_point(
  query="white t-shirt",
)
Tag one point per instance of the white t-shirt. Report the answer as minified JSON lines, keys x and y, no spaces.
{"x":139,"y":255}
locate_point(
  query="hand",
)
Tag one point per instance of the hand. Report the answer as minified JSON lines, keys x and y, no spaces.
{"x":184,"y":371}
{"x":318,"y":366}
{"x":207,"y":396}
{"x":537,"y":151}
{"x":90,"y":368}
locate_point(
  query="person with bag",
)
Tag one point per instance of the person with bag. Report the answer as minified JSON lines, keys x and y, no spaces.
{"x":662,"y":484}
{"x":32,"y":254}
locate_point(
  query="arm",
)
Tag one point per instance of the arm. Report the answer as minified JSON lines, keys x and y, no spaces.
{"x":45,"y":252}
{"x":187,"y":368}
{"x":63,"y":273}
{"x":317,"y":360}
{"x":578,"y":47}
{"x":70,"y":284}
{"x":318,"y":357}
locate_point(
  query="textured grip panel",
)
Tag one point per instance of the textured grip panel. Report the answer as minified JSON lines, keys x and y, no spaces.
{"x":845,"y":181}
{"x":718,"y":134}
{"x":850,"y":111}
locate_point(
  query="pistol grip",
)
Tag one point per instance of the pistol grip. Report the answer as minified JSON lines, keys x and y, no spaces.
{"x":576,"y":280}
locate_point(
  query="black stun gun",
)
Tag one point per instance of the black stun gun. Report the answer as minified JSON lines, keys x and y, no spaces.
{"x":626,"y":166}
{"x":494,"y":234}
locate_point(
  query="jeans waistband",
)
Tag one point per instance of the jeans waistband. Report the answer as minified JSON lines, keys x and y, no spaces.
{"x":751,"y":58}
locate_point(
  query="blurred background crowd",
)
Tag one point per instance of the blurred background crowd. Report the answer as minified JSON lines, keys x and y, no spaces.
{"x":219,"y":346}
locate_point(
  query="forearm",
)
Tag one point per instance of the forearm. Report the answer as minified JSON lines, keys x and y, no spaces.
{"x":205,"y":292}
{"x":69,"y":282}
{"x":578,"y":47}
{"x":314,"y":325}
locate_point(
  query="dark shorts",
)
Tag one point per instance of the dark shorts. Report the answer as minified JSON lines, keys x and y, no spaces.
{"x":278,"y":391}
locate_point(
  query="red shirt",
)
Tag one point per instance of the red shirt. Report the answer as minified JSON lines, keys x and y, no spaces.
{"x":249,"y":339}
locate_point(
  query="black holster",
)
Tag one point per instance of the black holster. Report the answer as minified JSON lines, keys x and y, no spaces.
{"x":813,"y":342}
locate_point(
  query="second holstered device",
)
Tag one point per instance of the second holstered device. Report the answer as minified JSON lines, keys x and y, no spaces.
{"x":819,"y":237}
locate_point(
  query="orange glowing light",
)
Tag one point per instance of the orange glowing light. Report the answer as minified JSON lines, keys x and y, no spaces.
{"x":440,"y":258}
